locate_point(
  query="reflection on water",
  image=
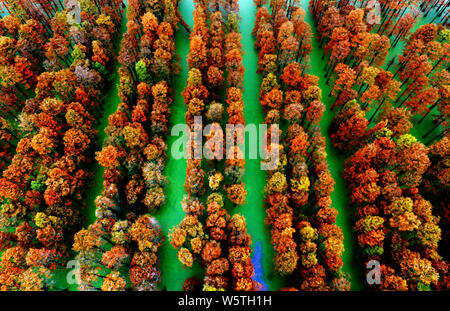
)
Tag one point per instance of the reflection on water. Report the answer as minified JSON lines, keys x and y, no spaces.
{"x":257,"y":264}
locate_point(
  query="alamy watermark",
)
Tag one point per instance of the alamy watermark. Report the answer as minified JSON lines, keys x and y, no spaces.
{"x":373,"y":276}
{"x":374,"y":12}
{"x":229,"y":143}
{"x":73,"y":276}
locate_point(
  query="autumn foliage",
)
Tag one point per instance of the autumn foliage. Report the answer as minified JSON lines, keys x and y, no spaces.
{"x":42,"y":199}
{"x":308,"y":245}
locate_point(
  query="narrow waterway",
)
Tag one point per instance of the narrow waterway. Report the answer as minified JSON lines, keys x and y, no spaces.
{"x":111,"y":101}
{"x":172,"y":272}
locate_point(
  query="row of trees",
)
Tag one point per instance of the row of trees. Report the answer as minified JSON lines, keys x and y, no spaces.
{"x":41,"y":188}
{"x":308,"y":244}
{"x":393,"y":19}
{"x":21,"y":62}
{"x":239,"y":241}
{"x":124,"y":252}
{"x":235,"y":163}
{"x":221,"y":242}
{"x":189,"y":236}
{"x":423,"y":71}
{"x":279,"y":211}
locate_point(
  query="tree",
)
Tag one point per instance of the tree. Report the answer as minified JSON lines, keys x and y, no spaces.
{"x":237,"y":193}
{"x":423,"y":99}
{"x":292,"y":76}
{"x":114,"y":282}
{"x":99,"y":55}
{"x":9,"y":190}
{"x":149,"y":24}
{"x":64,"y":83}
{"x":349,"y":126}
{"x":314,"y":113}
{"x":197,"y":53}
{"x":339,"y":46}
{"x":345,"y":81}
{"x":413,"y":160}
{"x":398,"y":120}
{"x":434,"y":185}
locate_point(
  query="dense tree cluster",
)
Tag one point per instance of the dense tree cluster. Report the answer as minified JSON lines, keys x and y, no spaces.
{"x":220,"y":242}
{"x":39,"y":10}
{"x":41,"y":188}
{"x":279,"y":210}
{"x":114,"y":253}
{"x":395,"y":224}
{"x":355,"y":58}
{"x":307,"y":242}
{"x":134,"y":156}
